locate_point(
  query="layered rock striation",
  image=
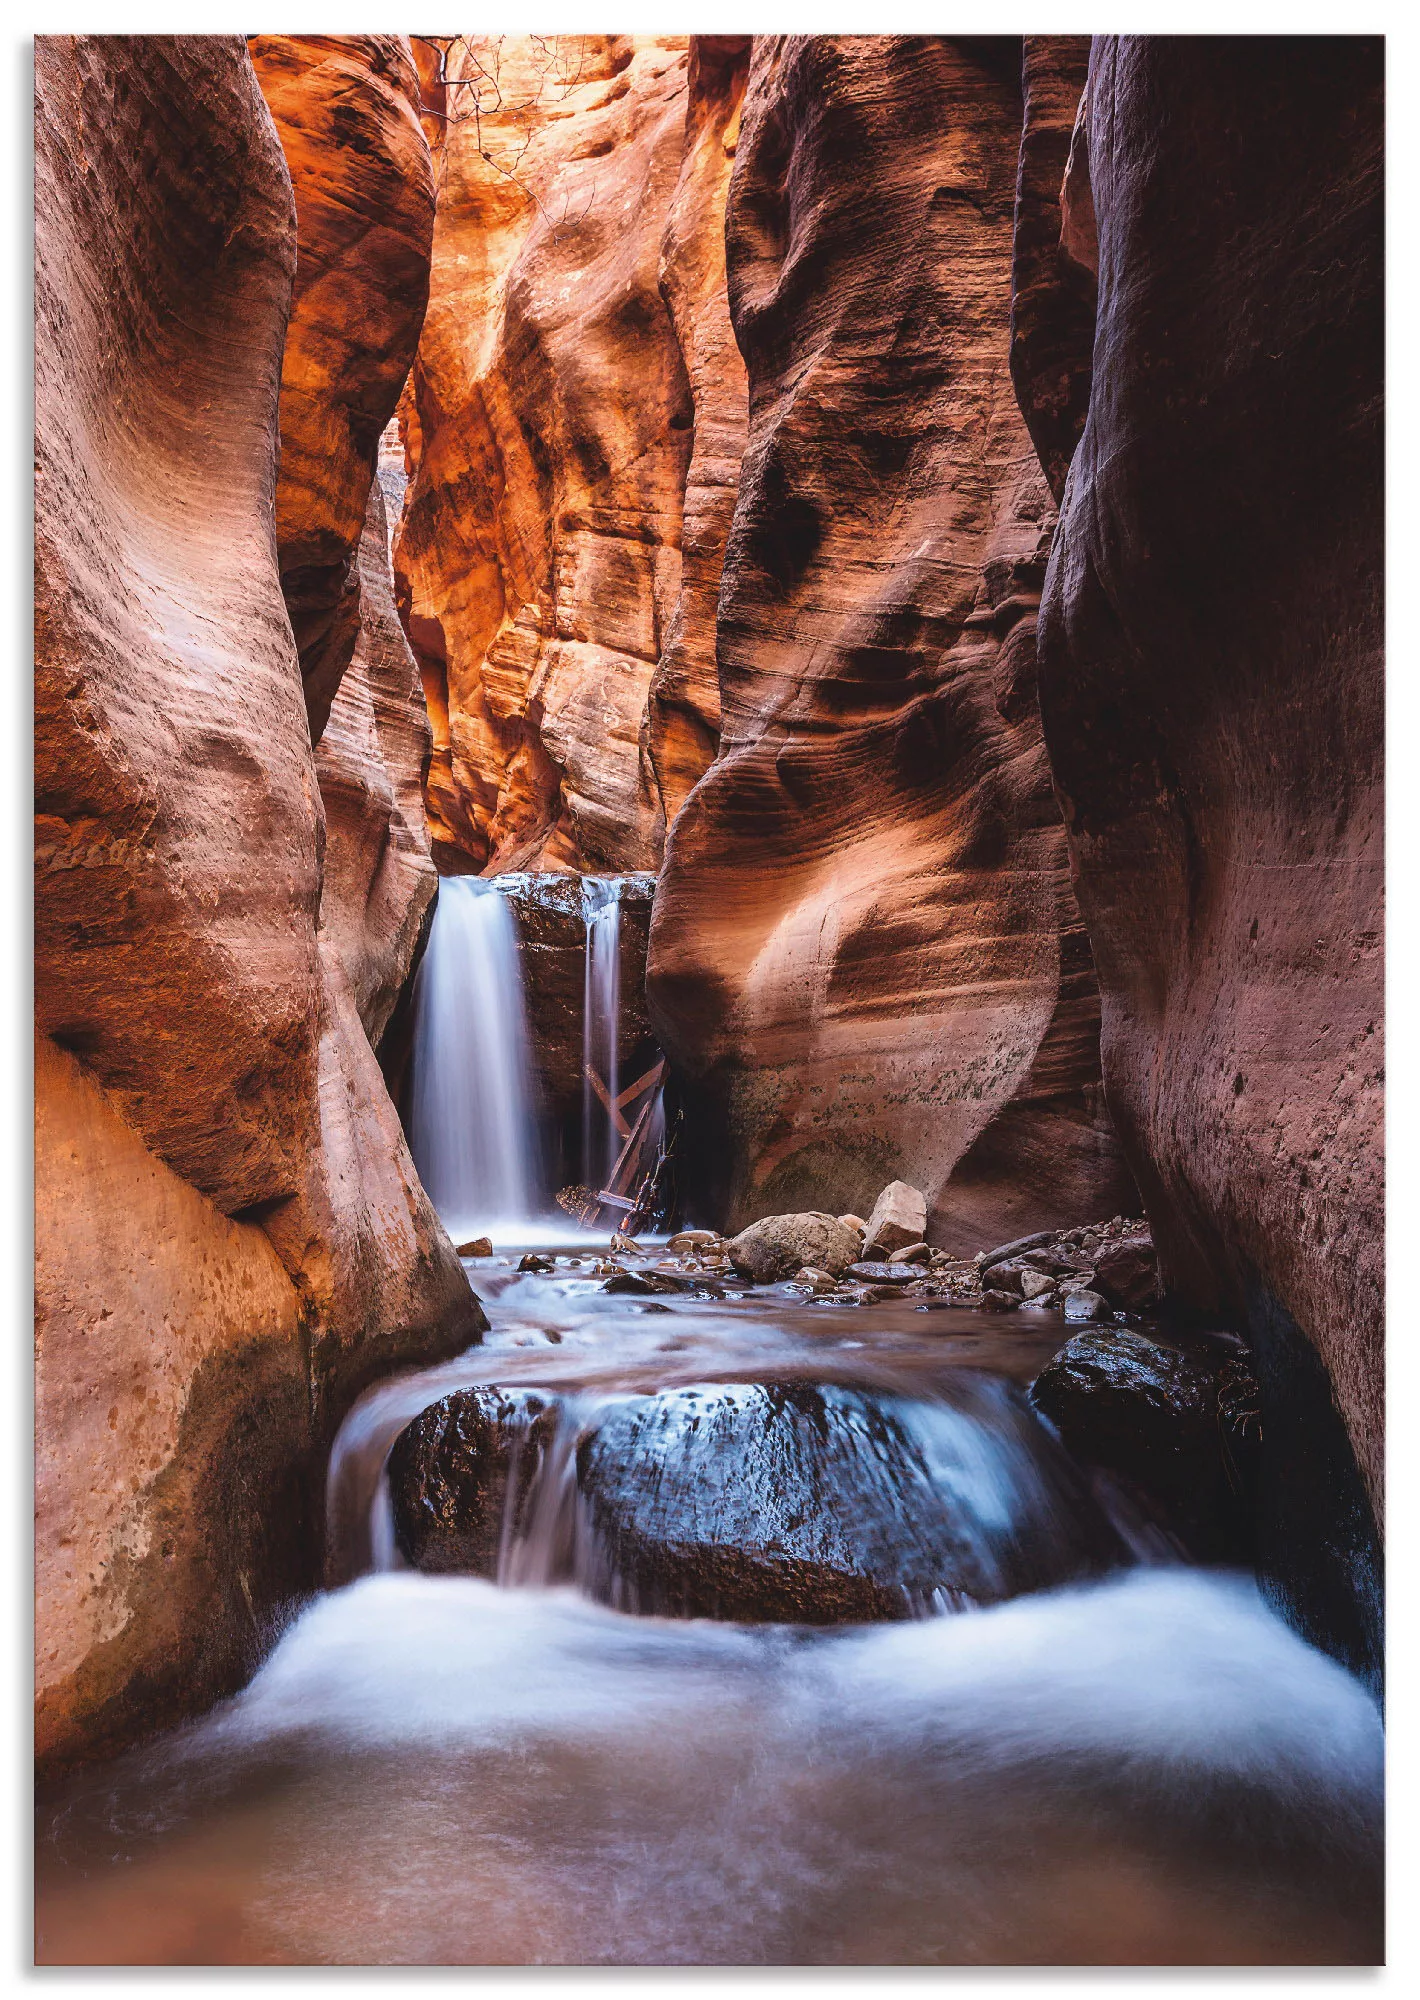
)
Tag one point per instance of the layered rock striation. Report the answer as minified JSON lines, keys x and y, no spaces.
{"x":230,"y":1237}
{"x":865,"y":955}
{"x":1212,"y":691}
{"x":576,"y":392}
{"x":347,"y":111}
{"x":1211,"y":666}
{"x":1053,"y":261}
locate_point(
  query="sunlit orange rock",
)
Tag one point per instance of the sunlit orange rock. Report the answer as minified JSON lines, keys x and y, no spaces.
{"x":347,"y":111}
{"x":379,"y":877}
{"x":683,"y":726}
{"x":865,"y":955}
{"x":551,"y":426}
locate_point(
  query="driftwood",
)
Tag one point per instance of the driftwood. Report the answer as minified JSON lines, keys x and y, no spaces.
{"x":631,"y":1169}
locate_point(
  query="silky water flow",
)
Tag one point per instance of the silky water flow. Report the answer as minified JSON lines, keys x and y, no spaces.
{"x":472,"y":1128}
{"x":1056,"y":1744}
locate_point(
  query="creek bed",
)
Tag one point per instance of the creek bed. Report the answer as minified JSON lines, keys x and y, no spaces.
{"x":1141,"y":1767}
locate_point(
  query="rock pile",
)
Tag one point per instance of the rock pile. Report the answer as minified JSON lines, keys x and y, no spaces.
{"x":1094,"y":1269}
{"x":1088,"y":1272}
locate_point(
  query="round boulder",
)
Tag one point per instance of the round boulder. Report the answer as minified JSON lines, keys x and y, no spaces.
{"x":782,"y":1244}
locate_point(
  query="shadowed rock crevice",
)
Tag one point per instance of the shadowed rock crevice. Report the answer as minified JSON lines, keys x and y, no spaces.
{"x":1211,"y":677}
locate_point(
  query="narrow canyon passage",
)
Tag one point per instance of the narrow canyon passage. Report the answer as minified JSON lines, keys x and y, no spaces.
{"x":709,"y":999}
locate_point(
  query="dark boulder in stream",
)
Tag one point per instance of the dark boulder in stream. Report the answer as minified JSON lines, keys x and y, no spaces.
{"x":449,"y":1474}
{"x":815,"y":1504}
{"x":1178,"y":1426}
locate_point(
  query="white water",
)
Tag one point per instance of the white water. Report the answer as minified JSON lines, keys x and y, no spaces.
{"x":433,"y":1770}
{"x":1150,"y":1769}
{"x":473,"y":1132}
{"x":601,"y":1021}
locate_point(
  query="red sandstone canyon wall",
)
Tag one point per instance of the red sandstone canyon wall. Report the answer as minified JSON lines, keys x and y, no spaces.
{"x":346,"y":108}
{"x":865,"y":954}
{"x":230,"y":1237}
{"x":572,"y":416}
{"x":1052,"y":278}
{"x":1211,"y":671}
{"x":682,"y":728}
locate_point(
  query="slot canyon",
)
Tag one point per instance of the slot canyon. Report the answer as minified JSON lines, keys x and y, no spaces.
{"x":766,"y":651}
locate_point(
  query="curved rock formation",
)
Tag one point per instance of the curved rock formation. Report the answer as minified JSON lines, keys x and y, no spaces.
{"x":1052,"y":292}
{"x":550,"y":429}
{"x":683,"y":720}
{"x":347,"y":111}
{"x":370,"y":764}
{"x":865,"y":953}
{"x":230,"y":1238}
{"x":1211,"y":684}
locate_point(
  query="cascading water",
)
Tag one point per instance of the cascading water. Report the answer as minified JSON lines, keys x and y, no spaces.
{"x":1139,"y":1766}
{"x":601,"y":1020}
{"x":473,"y":1131}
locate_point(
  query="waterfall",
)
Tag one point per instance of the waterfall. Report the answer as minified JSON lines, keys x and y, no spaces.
{"x":601,"y":1012}
{"x":472,"y":1124}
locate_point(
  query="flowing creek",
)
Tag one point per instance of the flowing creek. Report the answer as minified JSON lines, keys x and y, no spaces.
{"x":1029,"y":1737}
{"x":1140,"y":1766}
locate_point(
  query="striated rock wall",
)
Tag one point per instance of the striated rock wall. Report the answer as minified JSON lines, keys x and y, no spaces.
{"x":346,"y":108}
{"x":682,"y":728}
{"x":1211,"y":678}
{"x":575,"y":372}
{"x":370,"y":764}
{"x":230,"y":1237}
{"x":1052,"y":290}
{"x":865,"y":955}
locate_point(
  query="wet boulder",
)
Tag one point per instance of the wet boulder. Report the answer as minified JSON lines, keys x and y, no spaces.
{"x":449,"y":1474}
{"x":818,"y":1504}
{"x":646,"y":1284}
{"x":779,"y":1245}
{"x":873,"y":1272}
{"x":1127,"y":1272}
{"x":1177,"y":1426}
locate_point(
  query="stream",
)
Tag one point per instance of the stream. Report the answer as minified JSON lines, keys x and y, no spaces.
{"x":1138,"y":1765}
